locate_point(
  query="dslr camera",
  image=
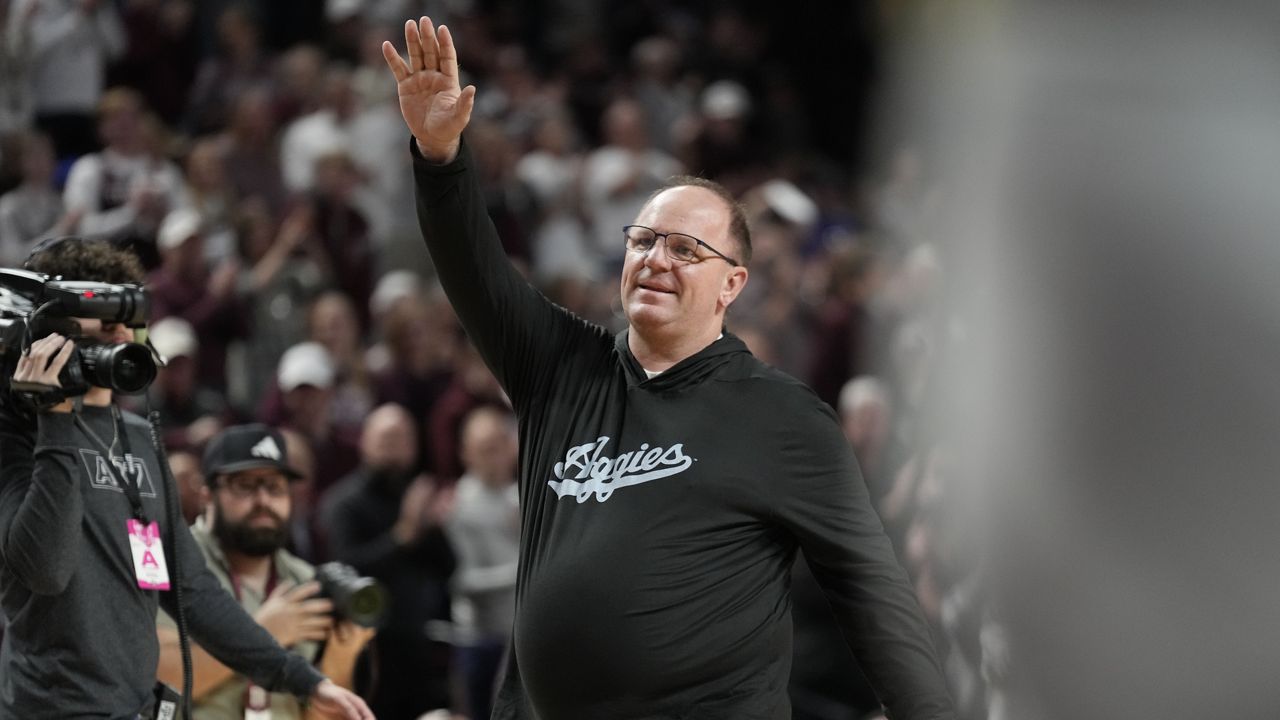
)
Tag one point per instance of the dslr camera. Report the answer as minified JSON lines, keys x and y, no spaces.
{"x":33,"y":306}
{"x":361,"y":600}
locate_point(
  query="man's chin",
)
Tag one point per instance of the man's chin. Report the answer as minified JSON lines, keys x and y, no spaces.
{"x":643,"y":315}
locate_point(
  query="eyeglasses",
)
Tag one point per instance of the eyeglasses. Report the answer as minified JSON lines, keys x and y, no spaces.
{"x":246,"y":487}
{"x":680,"y":247}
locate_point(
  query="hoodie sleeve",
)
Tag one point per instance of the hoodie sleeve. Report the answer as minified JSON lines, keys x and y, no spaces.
{"x":824,"y":502}
{"x":41,"y":508}
{"x":519,"y":333}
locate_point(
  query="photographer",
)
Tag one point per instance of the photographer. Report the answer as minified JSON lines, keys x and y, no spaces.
{"x":79,"y":575}
{"x":242,"y":536}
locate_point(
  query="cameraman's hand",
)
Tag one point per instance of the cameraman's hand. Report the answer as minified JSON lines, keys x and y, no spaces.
{"x":332,"y":701}
{"x":292,"y":614}
{"x":42,"y":362}
{"x":434,"y":107}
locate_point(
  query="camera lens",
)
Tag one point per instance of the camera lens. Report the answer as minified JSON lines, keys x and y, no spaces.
{"x":125,"y":368}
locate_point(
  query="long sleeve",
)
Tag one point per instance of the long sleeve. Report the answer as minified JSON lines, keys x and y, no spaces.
{"x":517,"y":331}
{"x":227,"y":632}
{"x":49,"y":27}
{"x":41,"y":507}
{"x":371,"y":548}
{"x":825,"y":504}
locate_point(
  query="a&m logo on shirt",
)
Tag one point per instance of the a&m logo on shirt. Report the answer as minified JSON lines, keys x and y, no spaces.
{"x":586,"y":470}
{"x":133,"y":470}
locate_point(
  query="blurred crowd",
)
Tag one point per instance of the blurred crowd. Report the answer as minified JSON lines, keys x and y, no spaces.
{"x":253,"y":154}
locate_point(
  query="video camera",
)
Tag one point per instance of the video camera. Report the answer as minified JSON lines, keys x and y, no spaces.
{"x":33,"y":306}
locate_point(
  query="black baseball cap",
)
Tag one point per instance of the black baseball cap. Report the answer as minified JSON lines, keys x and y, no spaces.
{"x":246,"y":447}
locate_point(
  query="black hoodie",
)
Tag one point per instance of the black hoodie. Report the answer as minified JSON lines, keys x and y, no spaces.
{"x":660,"y":517}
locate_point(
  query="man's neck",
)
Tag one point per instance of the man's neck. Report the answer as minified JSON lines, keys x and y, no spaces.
{"x":659,"y":354}
{"x":252,"y":571}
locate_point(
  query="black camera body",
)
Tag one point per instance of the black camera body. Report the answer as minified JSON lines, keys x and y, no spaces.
{"x":33,"y":305}
{"x":361,"y":600}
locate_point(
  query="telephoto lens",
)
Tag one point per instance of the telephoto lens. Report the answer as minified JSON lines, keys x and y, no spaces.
{"x":362,"y":600}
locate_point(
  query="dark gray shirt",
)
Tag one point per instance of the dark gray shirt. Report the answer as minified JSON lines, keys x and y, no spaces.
{"x":81,"y":640}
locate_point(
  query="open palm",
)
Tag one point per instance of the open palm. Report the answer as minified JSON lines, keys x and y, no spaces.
{"x":435,"y":107}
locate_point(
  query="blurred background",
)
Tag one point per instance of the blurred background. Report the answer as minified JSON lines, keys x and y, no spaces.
{"x":1025,"y":249}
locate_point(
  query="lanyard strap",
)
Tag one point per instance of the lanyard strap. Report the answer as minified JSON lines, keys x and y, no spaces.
{"x":130,"y":489}
{"x":259,"y":700}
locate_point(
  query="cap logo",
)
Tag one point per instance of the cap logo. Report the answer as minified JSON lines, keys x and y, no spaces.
{"x":266,"y":448}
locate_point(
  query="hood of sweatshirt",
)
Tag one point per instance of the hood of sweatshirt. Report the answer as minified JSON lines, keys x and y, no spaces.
{"x":724,"y":353}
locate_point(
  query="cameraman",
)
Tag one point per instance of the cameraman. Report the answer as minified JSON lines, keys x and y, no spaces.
{"x":78,"y":578}
{"x":242,"y":536}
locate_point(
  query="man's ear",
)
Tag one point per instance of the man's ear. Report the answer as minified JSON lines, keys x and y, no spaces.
{"x":733,"y":284}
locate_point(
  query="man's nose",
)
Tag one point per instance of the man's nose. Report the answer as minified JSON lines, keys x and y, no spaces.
{"x":657,"y":258}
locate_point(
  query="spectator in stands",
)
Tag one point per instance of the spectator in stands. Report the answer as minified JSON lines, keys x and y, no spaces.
{"x":33,"y":210}
{"x":839,"y":348}
{"x":16,"y":94}
{"x":422,"y":340}
{"x":332,"y":322}
{"x":283,"y":271}
{"x":193,"y":494}
{"x":183,"y":286}
{"x":190,"y":413}
{"x":620,"y":176}
{"x":866,"y":416}
{"x":243,"y":539}
{"x":250,"y":148}
{"x":342,"y":230}
{"x":239,"y":66}
{"x":125,"y":190}
{"x":211,"y":193}
{"x":160,"y":55}
{"x":71,"y":43}
{"x":323,"y":131}
{"x":472,"y":386}
{"x":304,"y":403}
{"x":484,"y":531}
{"x":386,"y":520}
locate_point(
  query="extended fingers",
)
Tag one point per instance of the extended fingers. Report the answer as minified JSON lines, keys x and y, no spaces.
{"x":448,"y":54}
{"x":398,"y":66}
{"x":413,"y":42}
{"x":49,"y":350}
{"x":430,"y":47}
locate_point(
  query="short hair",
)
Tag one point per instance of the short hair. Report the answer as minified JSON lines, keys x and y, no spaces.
{"x":738,"y":228}
{"x":119,"y":98}
{"x":76,"y":258}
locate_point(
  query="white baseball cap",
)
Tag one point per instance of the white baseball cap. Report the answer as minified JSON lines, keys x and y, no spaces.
{"x":173,"y":337}
{"x":307,"y":363}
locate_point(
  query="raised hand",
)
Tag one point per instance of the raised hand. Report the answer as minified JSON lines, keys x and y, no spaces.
{"x":434,"y":106}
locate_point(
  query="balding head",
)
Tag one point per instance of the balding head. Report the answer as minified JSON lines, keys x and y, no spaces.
{"x":389,"y":439}
{"x":488,"y":445}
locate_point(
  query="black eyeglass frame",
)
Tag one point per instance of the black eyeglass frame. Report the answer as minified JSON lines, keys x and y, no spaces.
{"x":656,"y":235}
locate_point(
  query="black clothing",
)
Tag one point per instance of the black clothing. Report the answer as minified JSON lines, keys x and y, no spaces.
{"x":81,"y":640}
{"x":357,"y":515}
{"x":660,"y":517}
